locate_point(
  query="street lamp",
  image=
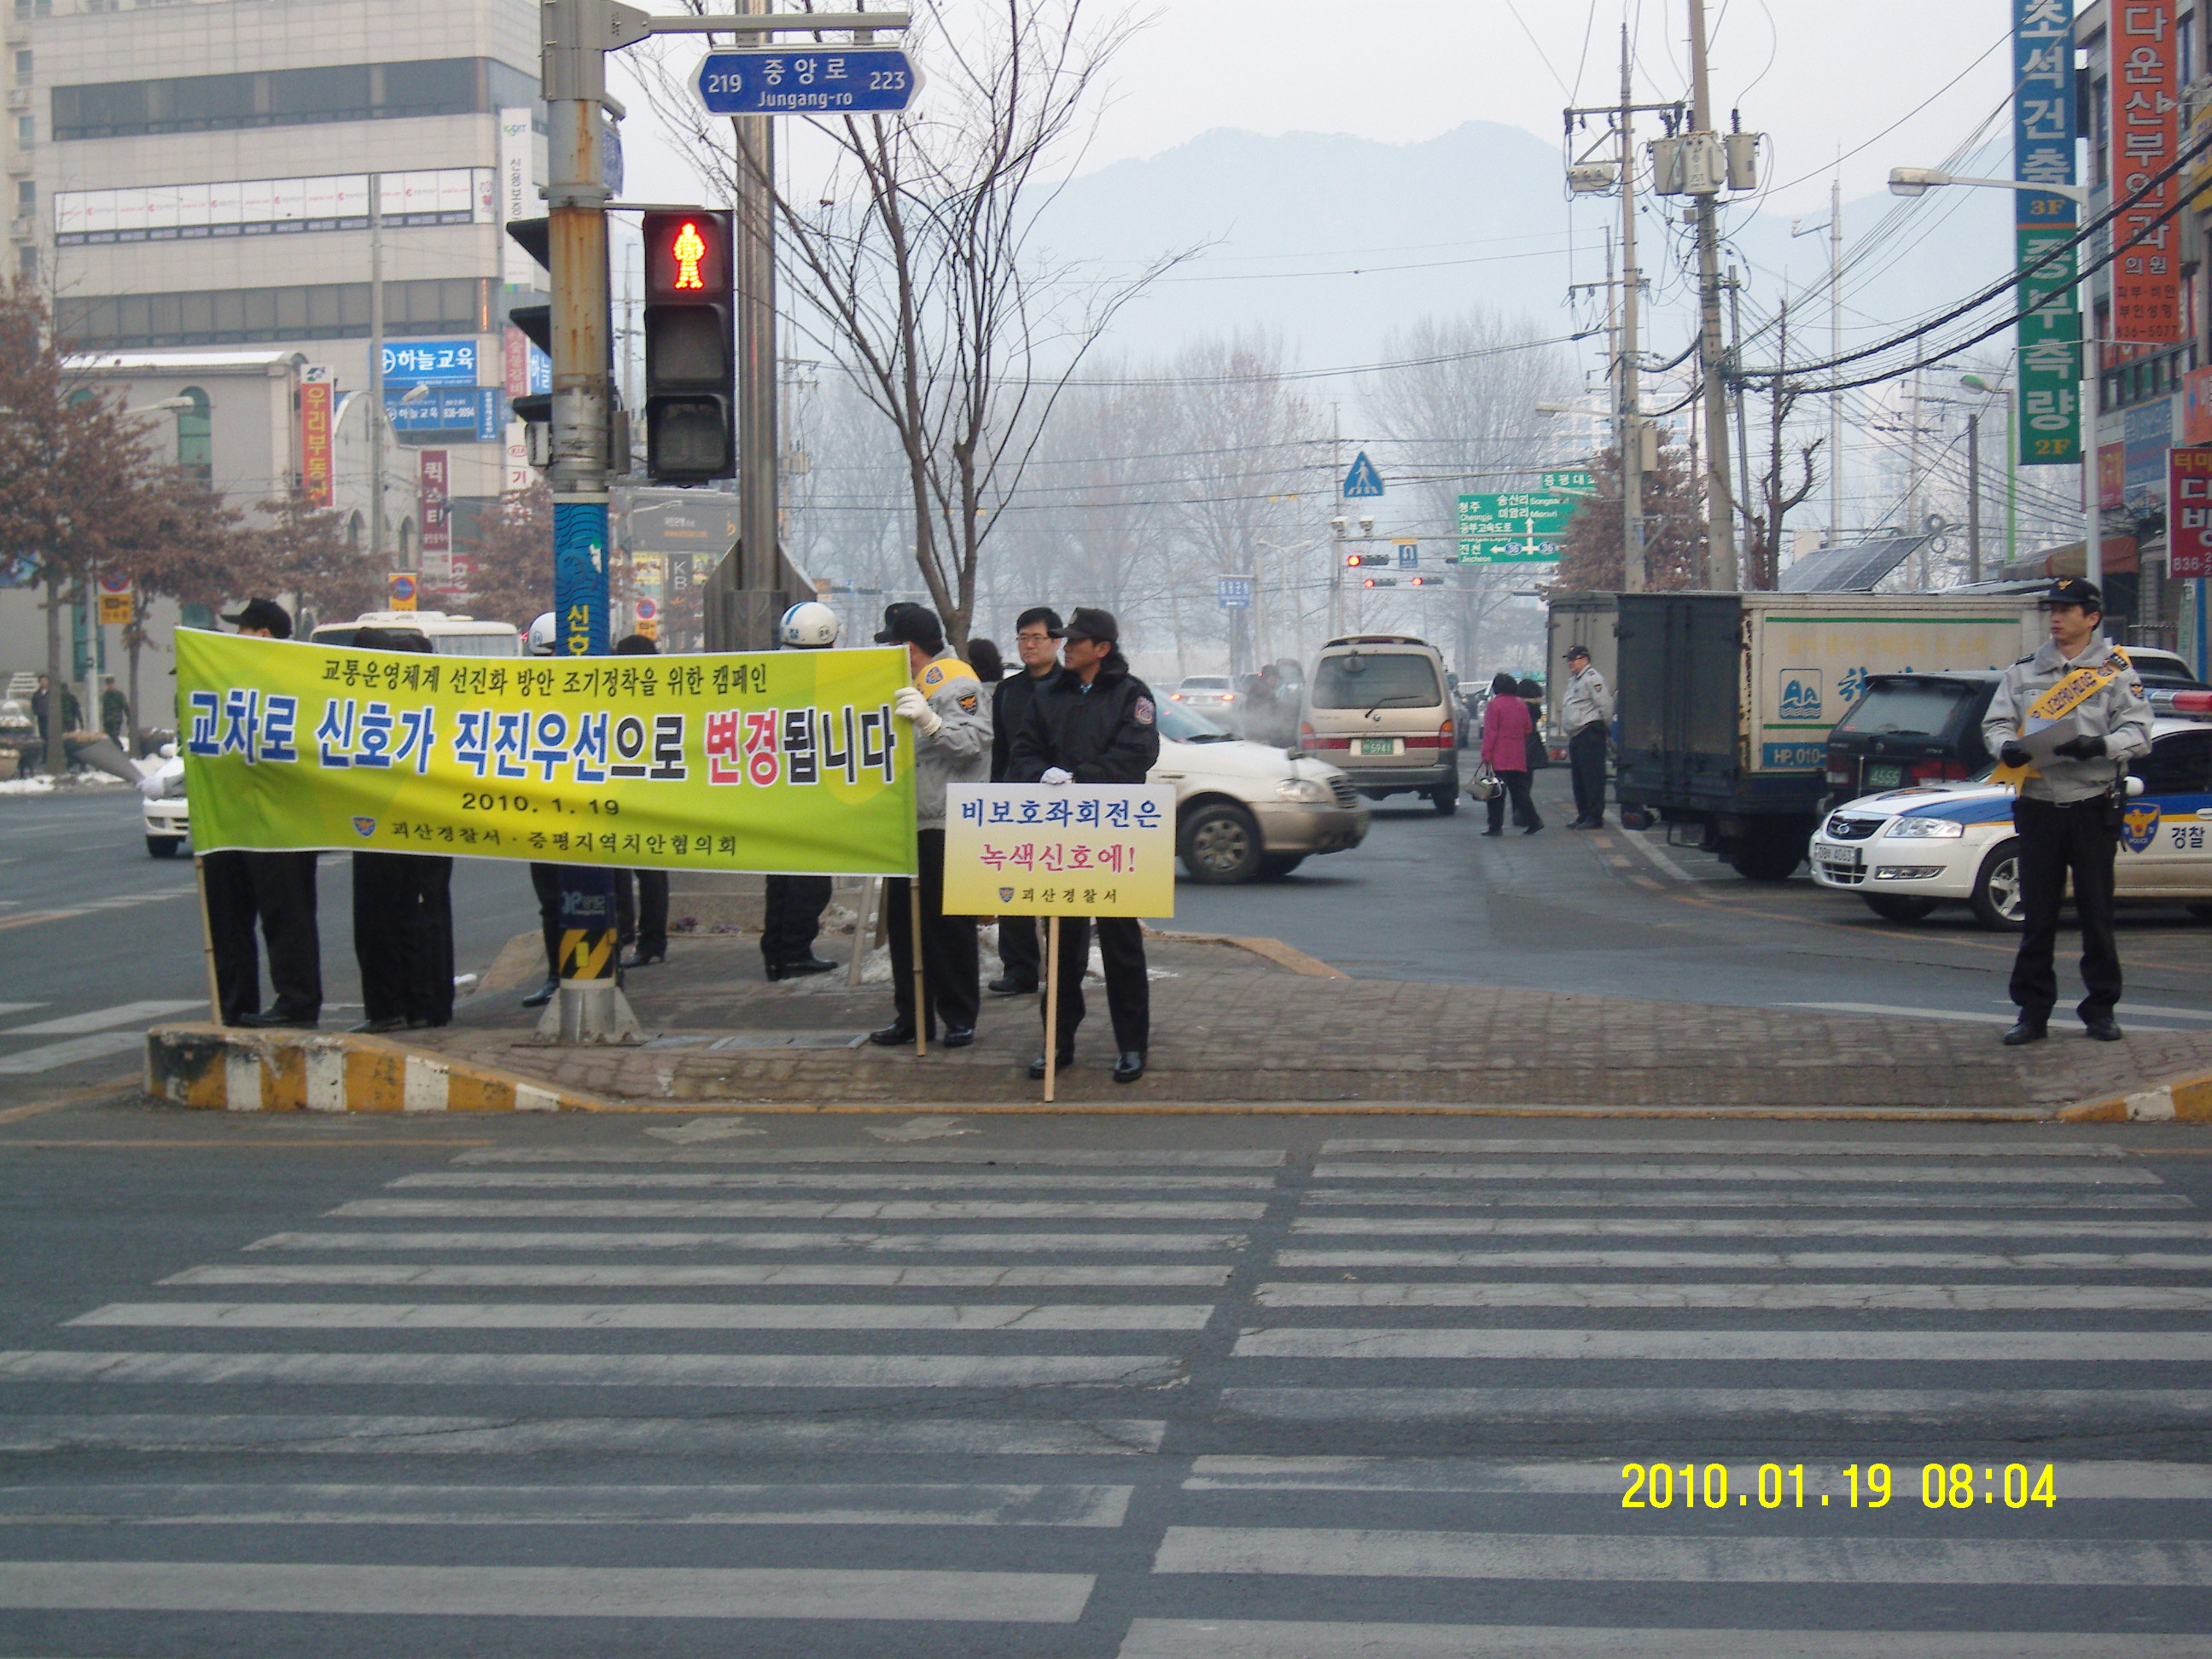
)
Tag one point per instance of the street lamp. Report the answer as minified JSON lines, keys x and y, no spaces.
{"x":1918,"y":181}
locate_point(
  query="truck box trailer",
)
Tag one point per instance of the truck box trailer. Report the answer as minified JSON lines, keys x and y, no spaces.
{"x":1572,"y":619}
{"x":1726,"y":700}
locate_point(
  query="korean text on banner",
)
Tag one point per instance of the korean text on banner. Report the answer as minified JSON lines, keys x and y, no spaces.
{"x":434,"y":501}
{"x":1071,"y":849}
{"x":2050,"y":337}
{"x":788,"y":761}
{"x":316,"y":473}
{"x":2146,"y":138}
{"x":2188,"y":485}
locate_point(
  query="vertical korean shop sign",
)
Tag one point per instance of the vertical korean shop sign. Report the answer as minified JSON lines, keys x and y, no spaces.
{"x":2146,"y":138}
{"x":435,"y":500}
{"x":2043,"y":125}
{"x":315,"y":468}
{"x":2189,"y":530}
{"x":1069,"y":849}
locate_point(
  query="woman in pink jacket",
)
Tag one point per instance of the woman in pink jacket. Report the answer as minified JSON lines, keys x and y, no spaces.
{"x":1506,"y":728}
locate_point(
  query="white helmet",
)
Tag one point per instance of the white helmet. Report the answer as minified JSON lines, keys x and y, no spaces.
{"x":809,"y":627}
{"x":543,"y":633}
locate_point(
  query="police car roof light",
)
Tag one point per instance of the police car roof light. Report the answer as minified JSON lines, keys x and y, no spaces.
{"x":2181,"y":704}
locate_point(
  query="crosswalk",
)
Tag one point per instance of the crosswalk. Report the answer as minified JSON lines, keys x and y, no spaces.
{"x":91,"y":1034}
{"x":1378,"y":1398}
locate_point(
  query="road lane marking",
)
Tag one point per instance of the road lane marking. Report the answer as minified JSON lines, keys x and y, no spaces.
{"x":53,"y":1055}
{"x":1257,"y":1638}
{"x":1342,"y":1144}
{"x":737,"y":1209}
{"x":19,"y":1007}
{"x":1603,"y":1198}
{"x":2090,"y":1410}
{"x":1893,"y":1010}
{"x":99,"y":1019}
{"x":1842,"y":1261}
{"x":1835,"y":1174}
{"x":1024,"y":1243}
{"x":563,"y":1592}
{"x":197,"y":1504}
{"x":652,"y":1316}
{"x":2112,"y":1480}
{"x":1723,"y":1558}
{"x":1923,"y":1298}
{"x":1876,"y":1347}
{"x":588,"y":1274}
{"x":674,"y":1370}
{"x":1674,"y":1227}
{"x":899,"y":1180}
{"x":833,"y":1155}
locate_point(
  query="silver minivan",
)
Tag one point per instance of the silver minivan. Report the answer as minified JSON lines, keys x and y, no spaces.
{"x":1377,"y":706}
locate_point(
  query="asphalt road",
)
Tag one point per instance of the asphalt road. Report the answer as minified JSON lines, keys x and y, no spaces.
{"x":1104,"y":1387}
{"x":1429,"y":897}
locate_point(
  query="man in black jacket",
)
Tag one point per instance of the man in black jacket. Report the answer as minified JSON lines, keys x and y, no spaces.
{"x":1037,"y":637}
{"x":1097,"y":723}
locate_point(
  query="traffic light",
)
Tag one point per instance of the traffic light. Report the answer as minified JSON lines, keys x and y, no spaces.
{"x":690,"y":347}
{"x":1354,"y":561}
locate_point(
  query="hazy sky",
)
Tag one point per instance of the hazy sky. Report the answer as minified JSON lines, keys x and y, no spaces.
{"x":1815,"y":76}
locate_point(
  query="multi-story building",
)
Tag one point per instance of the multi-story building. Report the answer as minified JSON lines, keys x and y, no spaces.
{"x":228,"y":199}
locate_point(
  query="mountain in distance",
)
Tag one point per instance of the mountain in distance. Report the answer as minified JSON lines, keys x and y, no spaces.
{"x":1333,"y":242}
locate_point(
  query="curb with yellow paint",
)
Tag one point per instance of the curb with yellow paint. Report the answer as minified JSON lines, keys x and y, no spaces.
{"x":217,"y":1068}
{"x":2188,"y":1100}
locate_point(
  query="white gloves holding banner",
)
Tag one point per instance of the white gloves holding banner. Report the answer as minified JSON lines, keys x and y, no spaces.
{"x":911,"y":705}
{"x":1057,"y":775}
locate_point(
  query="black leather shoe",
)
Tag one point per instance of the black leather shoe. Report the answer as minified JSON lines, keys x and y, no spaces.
{"x":644,"y":958}
{"x":1008,"y":986}
{"x":957,"y":1036}
{"x":544,"y":994}
{"x":1493,"y":832}
{"x":378,"y":1027}
{"x":893,"y":1035}
{"x":1064,"y":1060}
{"x":1533,"y":829}
{"x":2030,"y":1031}
{"x":276,"y":1019}
{"x":2107,"y":1029}
{"x":801,"y":969}
{"x":1130,"y":1066}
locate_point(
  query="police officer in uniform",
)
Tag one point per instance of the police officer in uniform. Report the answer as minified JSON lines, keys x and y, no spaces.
{"x":1097,"y":723}
{"x":641,"y":896}
{"x":791,"y":916}
{"x":1587,"y":713}
{"x":1036,"y":640}
{"x":951,"y":723}
{"x":402,"y":912}
{"x":2068,"y":811}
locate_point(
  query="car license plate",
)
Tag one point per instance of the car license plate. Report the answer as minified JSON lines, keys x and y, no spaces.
{"x":1378,"y":745}
{"x":1884,"y":777}
{"x":1841,"y":858}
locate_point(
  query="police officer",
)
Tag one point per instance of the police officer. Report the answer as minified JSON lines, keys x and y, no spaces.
{"x":952,"y":728}
{"x":1036,"y":640}
{"x":545,"y":879}
{"x":403,"y":913}
{"x":1097,"y":723}
{"x":791,"y":918}
{"x":277,"y":888}
{"x":1587,"y":713}
{"x":2068,"y":810}
{"x":640,"y":910}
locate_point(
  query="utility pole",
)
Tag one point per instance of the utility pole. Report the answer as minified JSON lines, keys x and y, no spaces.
{"x":1974,"y":495}
{"x":1835,"y":351}
{"x":376,"y":375}
{"x":760,"y":597}
{"x":1734,"y":287}
{"x":1721,"y":571}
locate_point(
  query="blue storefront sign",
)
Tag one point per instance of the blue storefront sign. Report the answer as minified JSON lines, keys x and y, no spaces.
{"x":430,"y":362}
{"x":477,"y":411}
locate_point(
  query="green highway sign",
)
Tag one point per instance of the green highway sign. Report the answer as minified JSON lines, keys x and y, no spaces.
{"x":1572,"y":478}
{"x":1523,"y":551}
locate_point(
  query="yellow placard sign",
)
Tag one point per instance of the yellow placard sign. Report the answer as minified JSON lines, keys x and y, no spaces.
{"x":786,"y":761}
{"x":1069,"y":849}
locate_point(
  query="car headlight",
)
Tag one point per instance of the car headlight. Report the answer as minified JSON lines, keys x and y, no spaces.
{"x":1913,"y":829}
{"x":1307,"y":790}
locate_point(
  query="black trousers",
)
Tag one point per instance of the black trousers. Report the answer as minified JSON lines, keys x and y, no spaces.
{"x":403,"y":936}
{"x":1586,"y":755}
{"x":1020,"y":950}
{"x":278,"y":889}
{"x":2081,"y":838}
{"x":952,"y":966}
{"x":1524,"y":804}
{"x":791,"y":917}
{"x":641,"y":913}
{"x":545,"y":880}
{"x":1129,"y":991}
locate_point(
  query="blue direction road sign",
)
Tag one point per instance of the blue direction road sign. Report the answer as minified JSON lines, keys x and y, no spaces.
{"x":1362,"y":481}
{"x":806,"y":80}
{"x":1409,"y":556}
{"x":1235,"y":592}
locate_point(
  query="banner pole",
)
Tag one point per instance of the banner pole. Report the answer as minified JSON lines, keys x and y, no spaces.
{"x":1051,"y":1005}
{"x":864,"y":927}
{"x":920,"y":984}
{"x":207,"y":939}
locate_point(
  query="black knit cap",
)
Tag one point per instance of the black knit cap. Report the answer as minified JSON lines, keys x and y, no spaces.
{"x":1088,"y":623}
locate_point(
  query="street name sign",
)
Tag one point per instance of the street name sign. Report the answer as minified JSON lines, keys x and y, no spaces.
{"x":806,"y":80}
{"x":1234,"y":593}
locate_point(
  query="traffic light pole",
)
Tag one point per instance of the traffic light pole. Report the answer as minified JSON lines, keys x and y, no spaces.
{"x":759,"y":596}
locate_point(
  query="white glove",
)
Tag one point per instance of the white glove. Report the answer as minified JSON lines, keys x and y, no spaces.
{"x":1057,"y":775}
{"x":911,"y":705}
{"x":153,"y":786}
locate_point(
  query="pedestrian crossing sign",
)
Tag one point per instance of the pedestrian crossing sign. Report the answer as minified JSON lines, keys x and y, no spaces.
{"x":1363,"y":482}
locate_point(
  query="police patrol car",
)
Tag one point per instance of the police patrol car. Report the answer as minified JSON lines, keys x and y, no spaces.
{"x":1907,"y":851}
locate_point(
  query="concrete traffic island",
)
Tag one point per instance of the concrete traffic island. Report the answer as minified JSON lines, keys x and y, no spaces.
{"x":1241,"y":1026}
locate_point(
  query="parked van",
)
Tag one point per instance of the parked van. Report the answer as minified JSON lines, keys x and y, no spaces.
{"x":1377,"y":706}
{"x":450,"y":635}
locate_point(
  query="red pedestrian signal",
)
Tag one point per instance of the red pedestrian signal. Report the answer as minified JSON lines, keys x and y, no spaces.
{"x":690,"y":347}
{"x":687,"y":254}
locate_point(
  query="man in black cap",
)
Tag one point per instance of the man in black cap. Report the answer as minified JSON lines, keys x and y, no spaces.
{"x":1036,"y":638}
{"x":2068,"y":810}
{"x":951,"y":727}
{"x":1587,"y":713}
{"x":277,"y":888}
{"x":1097,"y":723}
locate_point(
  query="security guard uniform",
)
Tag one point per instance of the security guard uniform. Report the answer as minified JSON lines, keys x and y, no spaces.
{"x":1012,"y":699}
{"x":2068,"y":810}
{"x":1587,"y":713}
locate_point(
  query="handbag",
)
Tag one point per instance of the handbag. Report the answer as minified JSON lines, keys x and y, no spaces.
{"x":1483,"y":785}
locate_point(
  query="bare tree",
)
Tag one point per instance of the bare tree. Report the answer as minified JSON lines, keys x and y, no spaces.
{"x":1673,"y":527}
{"x":1772,"y":498}
{"x":918,"y":260}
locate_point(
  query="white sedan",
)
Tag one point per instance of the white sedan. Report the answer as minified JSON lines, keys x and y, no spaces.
{"x":1907,"y":851}
{"x":1245,"y":810}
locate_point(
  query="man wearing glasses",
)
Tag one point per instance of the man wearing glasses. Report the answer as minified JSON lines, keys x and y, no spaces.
{"x":1036,"y":638}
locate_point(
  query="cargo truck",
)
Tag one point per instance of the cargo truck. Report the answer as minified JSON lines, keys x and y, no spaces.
{"x":1725,"y":700}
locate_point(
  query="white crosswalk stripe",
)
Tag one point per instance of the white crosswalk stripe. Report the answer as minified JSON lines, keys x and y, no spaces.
{"x":1192,"y":1638}
{"x":100,"y":1019}
{"x":53,"y":1056}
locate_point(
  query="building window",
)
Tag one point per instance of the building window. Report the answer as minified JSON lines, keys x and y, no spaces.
{"x":26,"y":196}
{"x":27,"y":131}
{"x":354,"y":532}
{"x":322,"y":311}
{"x":196,"y":437}
{"x":283,"y":98}
{"x":22,"y":66}
{"x":27,"y":259}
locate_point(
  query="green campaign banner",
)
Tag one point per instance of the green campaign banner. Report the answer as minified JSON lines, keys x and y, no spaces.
{"x":785,"y":761}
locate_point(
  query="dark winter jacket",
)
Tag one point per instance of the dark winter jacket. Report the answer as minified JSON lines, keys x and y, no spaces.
{"x":1012,"y":699}
{"x":1105,"y":733}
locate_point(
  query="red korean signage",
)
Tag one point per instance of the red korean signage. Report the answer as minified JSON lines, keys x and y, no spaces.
{"x":2188,"y":511}
{"x":316,"y":470}
{"x":436,"y":536}
{"x":2146,"y":110}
